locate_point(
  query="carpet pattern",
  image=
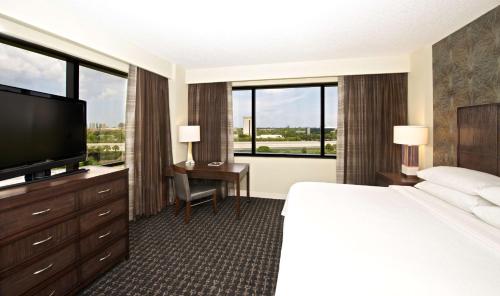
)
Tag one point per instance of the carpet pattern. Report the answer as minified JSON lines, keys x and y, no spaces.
{"x":213,"y":255}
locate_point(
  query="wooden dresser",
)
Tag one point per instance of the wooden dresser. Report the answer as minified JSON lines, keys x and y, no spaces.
{"x":57,"y":236}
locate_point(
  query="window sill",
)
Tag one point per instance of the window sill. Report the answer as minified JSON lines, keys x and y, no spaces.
{"x":285,"y":155}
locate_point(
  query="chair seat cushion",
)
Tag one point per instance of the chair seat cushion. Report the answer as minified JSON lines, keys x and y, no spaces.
{"x":200,"y":191}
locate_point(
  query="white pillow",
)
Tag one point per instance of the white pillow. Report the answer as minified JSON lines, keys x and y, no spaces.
{"x":459,"y":199}
{"x":491,"y":193}
{"x":490,"y":215}
{"x":465,"y":180}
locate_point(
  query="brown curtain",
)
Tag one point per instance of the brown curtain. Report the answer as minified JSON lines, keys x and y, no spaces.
{"x":210,"y":107}
{"x":369,"y":107}
{"x":129,"y":136}
{"x":152,"y":144}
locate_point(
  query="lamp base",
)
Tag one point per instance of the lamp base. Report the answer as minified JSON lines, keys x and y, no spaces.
{"x":190,"y":160}
{"x":409,"y":170}
{"x":409,"y":163}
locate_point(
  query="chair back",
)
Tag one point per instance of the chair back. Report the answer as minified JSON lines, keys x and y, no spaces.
{"x":181,"y":182}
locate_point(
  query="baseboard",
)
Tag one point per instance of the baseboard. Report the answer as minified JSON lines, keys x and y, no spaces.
{"x":271,"y":195}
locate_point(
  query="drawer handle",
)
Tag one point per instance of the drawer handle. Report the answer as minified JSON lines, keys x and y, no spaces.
{"x":52,"y":293}
{"x":104,"y":235}
{"x":43,"y":269}
{"x":104,"y":213}
{"x":42,"y":241}
{"x":104,"y":191}
{"x":105,"y":257}
{"x":41,"y":212}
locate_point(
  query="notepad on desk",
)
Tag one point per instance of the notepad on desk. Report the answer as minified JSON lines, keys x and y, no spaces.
{"x":216,"y":163}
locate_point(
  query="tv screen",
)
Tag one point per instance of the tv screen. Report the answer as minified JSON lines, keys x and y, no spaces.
{"x":40,"y":130}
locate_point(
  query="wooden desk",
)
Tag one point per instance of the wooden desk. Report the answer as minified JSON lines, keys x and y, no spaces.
{"x":229,"y":172}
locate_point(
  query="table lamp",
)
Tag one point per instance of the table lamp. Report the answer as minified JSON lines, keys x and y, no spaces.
{"x":410,"y":136}
{"x":189,"y":134}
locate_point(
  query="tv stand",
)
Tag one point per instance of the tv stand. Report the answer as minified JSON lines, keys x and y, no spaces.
{"x":37,"y":175}
{"x":46,"y":175}
{"x":77,"y":225}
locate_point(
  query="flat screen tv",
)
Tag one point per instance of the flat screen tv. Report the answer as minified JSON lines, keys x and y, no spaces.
{"x":38,"y":133}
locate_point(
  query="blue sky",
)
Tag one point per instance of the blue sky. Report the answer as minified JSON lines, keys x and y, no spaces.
{"x":105,"y":94}
{"x":282,"y":107}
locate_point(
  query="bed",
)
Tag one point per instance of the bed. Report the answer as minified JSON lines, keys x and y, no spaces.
{"x":363,"y":240}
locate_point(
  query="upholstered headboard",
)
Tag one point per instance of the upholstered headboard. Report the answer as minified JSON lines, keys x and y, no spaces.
{"x":478,"y":138}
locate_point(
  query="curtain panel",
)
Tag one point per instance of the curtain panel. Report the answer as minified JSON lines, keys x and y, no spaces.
{"x":210,"y":107}
{"x":369,"y":107}
{"x":129,"y":135}
{"x":149,"y":146}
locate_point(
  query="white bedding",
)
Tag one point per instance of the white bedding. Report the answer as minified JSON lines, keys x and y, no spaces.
{"x":361,"y":240}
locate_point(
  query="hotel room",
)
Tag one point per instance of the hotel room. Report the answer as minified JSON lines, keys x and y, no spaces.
{"x":250,"y":148}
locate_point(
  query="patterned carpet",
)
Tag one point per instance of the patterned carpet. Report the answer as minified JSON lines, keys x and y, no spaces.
{"x":213,"y":255}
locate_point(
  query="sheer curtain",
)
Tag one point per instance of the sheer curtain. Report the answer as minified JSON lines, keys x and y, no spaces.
{"x":369,"y":107}
{"x":149,"y":146}
{"x":210,"y":107}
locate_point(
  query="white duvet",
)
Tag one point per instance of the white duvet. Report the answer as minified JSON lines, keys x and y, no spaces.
{"x":362,"y":240}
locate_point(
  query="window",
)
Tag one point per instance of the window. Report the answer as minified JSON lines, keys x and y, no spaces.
{"x":331,"y":110}
{"x":106,"y":96}
{"x":297,"y":120}
{"x":29,"y":67}
{"x":242,"y":121}
{"x":30,"y":70}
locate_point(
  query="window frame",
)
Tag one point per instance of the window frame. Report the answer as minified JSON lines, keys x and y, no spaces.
{"x":72,"y":68}
{"x":73,"y":64}
{"x":253,"y":90}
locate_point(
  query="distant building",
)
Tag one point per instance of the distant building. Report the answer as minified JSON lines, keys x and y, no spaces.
{"x":96,"y":125}
{"x":307,"y":131}
{"x":247,"y":125}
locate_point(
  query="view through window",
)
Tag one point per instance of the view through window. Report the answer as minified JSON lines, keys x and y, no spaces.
{"x":242,"y":121}
{"x":331,"y":110}
{"x":288,"y":120}
{"x":106,"y":97}
{"x":30,"y":70}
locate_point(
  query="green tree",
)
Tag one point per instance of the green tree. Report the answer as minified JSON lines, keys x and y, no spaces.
{"x":116,"y":148}
{"x":263,"y":149}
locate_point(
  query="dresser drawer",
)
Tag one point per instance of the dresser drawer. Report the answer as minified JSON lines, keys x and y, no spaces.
{"x":22,"y":218}
{"x":38,"y":272}
{"x":104,"y":259}
{"x":61,"y":286}
{"x":102,"y":192}
{"x":102,"y":236}
{"x":37,"y":243}
{"x":101,"y":215}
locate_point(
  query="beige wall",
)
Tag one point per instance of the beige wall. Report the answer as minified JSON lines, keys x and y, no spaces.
{"x":420,"y":100}
{"x":25,"y":32}
{"x":325,"y":68}
{"x":272,"y":177}
{"x":95,"y":47}
{"x":178,"y":93}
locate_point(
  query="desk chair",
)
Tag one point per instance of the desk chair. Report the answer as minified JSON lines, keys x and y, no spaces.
{"x":188,"y":193}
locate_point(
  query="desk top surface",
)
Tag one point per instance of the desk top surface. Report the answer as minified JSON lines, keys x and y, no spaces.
{"x":227,"y":167}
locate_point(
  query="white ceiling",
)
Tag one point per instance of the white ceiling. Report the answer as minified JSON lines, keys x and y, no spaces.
{"x":216,"y":33}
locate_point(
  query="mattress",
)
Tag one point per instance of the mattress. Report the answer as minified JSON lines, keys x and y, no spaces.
{"x":363,"y":240}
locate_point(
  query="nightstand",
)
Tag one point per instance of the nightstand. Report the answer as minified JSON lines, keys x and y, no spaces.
{"x":386,"y":179}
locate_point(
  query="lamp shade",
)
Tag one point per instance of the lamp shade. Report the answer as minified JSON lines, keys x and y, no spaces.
{"x":410,"y":135}
{"x":189,"y":133}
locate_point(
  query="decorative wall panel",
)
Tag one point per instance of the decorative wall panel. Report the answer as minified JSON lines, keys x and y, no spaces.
{"x":466,"y":71}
